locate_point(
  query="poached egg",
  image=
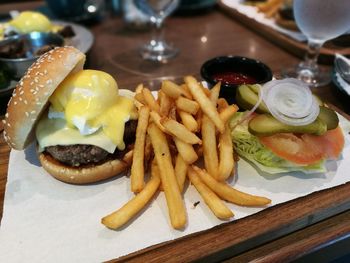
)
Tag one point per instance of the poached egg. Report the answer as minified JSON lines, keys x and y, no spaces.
{"x":87,"y":108}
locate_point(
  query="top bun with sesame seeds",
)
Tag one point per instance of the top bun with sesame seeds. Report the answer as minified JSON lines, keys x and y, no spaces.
{"x":84,"y":126}
{"x":31,"y":95}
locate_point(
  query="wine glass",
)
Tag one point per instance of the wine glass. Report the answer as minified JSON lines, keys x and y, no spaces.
{"x":157,"y":49}
{"x":319,"y":20}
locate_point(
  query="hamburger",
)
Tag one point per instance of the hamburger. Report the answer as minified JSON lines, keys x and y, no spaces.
{"x":83,"y":125}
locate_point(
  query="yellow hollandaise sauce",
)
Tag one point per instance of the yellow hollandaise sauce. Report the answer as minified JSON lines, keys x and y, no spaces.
{"x":29,"y":21}
{"x":92,"y":110}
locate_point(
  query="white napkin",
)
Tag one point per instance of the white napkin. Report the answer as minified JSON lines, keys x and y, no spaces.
{"x":45,"y":220}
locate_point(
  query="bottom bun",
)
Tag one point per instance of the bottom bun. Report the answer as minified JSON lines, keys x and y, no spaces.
{"x":85,"y":174}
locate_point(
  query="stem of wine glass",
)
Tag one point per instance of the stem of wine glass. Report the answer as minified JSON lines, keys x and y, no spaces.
{"x":313,"y":51}
{"x":308,"y":70}
{"x":157,"y":31}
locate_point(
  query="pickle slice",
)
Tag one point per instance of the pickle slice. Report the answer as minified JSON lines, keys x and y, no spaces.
{"x":266,"y":125}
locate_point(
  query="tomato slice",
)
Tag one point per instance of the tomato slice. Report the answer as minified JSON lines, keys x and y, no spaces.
{"x":306,"y":149}
{"x":293,"y":148}
{"x":332,"y":142}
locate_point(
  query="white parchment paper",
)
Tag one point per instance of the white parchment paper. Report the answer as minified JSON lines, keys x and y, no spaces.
{"x":45,"y":220}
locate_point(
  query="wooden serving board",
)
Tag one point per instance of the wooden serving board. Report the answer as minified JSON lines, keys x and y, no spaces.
{"x":291,"y":45}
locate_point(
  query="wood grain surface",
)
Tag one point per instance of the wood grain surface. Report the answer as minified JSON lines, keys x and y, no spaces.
{"x":280,"y":233}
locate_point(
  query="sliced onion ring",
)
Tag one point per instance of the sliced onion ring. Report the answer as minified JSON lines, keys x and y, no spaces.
{"x":290,"y":101}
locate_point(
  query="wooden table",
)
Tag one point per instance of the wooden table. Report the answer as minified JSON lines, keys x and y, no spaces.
{"x":281,"y":233}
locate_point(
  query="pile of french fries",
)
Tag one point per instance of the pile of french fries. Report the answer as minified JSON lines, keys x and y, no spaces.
{"x":270,"y":7}
{"x":175,"y":130}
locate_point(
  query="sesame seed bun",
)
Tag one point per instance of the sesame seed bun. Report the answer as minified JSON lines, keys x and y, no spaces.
{"x":32,"y":93}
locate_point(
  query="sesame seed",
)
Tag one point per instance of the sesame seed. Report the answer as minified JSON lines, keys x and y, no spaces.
{"x":6,"y":115}
{"x":25,"y":102}
{"x":33,"y":112}
{"x":8,"y":124}
{"x":27,"y":114}
{"x":4,"y":121}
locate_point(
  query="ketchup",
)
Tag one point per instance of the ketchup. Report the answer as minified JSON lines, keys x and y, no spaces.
{"x":234,"y":78}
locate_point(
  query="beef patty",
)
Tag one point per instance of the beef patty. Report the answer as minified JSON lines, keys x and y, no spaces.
{"x":79,"y":154}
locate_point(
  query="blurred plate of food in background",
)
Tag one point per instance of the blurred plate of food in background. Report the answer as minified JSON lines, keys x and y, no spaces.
{"x":31,"y":21}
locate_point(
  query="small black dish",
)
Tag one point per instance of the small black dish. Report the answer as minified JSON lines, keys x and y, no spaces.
{"x":250,"y":70}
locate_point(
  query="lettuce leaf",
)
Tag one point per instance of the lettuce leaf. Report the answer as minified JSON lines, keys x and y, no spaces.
{"x":249,"y":147}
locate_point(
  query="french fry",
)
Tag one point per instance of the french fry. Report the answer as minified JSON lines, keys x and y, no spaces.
{"x":173,"y":90}
{"x":187,"y":105}
{"x":186,"y":151}
{"x":222,"y":104}
{"x":186,"y":91}
{"x":137,"y":167}
{"x":214,"y":93}
{"x":164,"y":104}
{"x":148,"y":152}
{"x":171,"y":189}
{"x":206,"y":105}
{"x":139,"y":88}
{"x":188,"y":120}
{"x":272,"y":11}
{"x":120,"y":217}
{"x":172,"y":113}
{"x":265,"y":7}
{"x":228,"y":112}
{"x":140,"y":99}
{"x":216,"y":205}
{"x":155,"y":117}
{"x":155,"y":172}
{"x":150,"y":100}
{"x":180,"y":171}
{"x":226,"y":159}
{"x":199,"y":117}
{"x":178,"y":130}
{"x":205,"y":90}
{"x":230,"y":194}
{"x":210,"y":152}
